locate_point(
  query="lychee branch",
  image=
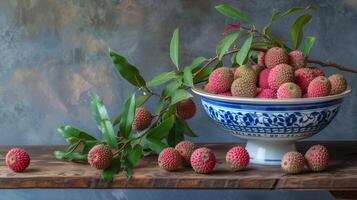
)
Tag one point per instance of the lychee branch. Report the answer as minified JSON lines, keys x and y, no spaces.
{"x":332,"y":64}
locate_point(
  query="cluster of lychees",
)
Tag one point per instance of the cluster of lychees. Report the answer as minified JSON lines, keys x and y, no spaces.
{"x":277,"y":74}
{"x":202,"y":160}
{"x":316,"y":158}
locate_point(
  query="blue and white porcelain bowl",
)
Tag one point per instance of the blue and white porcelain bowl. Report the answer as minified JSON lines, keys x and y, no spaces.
{"x":270,"y":126}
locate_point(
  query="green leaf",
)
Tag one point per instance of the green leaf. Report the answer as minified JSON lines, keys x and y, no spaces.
{"x":242,"y":55}
{"x":197,"y":62}
{"x":174,"y":48}
{"x":108,"y":174}
{"x":308,"y":43}
{"x":156,"y":144}
{"x":224,"y":45}
{"x":261,"y":44}
{"x":69,"y":132}
{"x":134,"y":154}
{"x":299,"y":8}
{"x":162,"y":129}
{"x":187,"y":77}
{"x":159,"y":106}
{"x":161,"y":78}
{"x":179,"y":95}
{"x":176,"y":133}
{"x":70,"y":156}
{"x":139,"y":102}
{"x":127,"y":70}
{"x":296,"y":30}
{"x":202,"y":75}
{"x":171,"y":88}
{"x":109,"y":133}
{"x":231,"y":12}
{"x":127,"y":117}
{"x":266,"y":29}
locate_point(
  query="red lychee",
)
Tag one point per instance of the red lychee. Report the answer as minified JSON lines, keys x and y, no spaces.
{"x":17,"y":159}
{"x":203,"y":160}
{"x":237,"y":158}
{"x":185,"y":148}
{"x":220,"y":80}
{"x":267,"y":94}
{"x":142,"y":119}
{"x":170,"y":159}
{"x":263,"y":78}
{"x":261,"y":58}
{"x":317,"y":158}
{"x":303,"y":77}
{"x":185,"y":109}
{"x":297,"y":59}
{"x":319,"y":87}
{"x":275,"y":56}
{"x":100,"y":156}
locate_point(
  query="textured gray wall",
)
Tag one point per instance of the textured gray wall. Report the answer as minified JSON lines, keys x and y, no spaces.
{"x":53,"y":57}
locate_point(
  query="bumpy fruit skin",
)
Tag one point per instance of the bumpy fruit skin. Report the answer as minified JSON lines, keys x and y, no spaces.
{"x":185,"y":109}
{"x":237,"y":158}
{"x":100,"y":156}
{"x":267,"y":94}
{"x":209,"y":88}
{"x":297,"y":59}
{"x":203,"y":160}
{"x":288,"y":91}
{"x":228,"y":94}
{"x":293,"y":162}
{"x":170,"y":159}
{"x":258,"y":68}
{"x":280,"y":74}
{"x":142,"y":119}
{"x":338,"y":84}
{"x":319,"y":87}
{"x":17,"y":159}
{"x":317,"y":72}
{"x":275,"y":56}
{"x":243,"y":88}
{"x":221,"y":80}
{"x":263,"y":78}
{"x":261,"y":58}
{"x":246,"y":72}
{"x":317,"y":158}
{"x":185,"y":148}
{"x":303,"y":77}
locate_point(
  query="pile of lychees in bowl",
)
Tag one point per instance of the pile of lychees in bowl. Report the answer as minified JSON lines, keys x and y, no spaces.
{"x":278,"y":74}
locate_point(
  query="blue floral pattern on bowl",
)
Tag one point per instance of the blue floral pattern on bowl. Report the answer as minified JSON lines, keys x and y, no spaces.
{"x":292,"y":120}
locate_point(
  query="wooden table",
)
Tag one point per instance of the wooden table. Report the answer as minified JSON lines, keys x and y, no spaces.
{"x":46,"y":172}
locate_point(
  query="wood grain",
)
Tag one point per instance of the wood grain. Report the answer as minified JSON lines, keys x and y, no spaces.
{"x":47,"y":172}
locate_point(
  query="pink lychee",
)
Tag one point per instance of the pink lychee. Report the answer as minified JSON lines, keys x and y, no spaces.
{"x":317,"y":158}
{"x":275,"y":56}
{"x":203,"y":160}
{"x":289,"y":90}
{"x":297,"y":59}
{"x":261,"y":58}
{"x":267,"y":94}
{"x":237,"y":158}
{"x":319,"y":87}
{"x":263,"y":78}
{"x":170,"y":159}
{"x":221,"y":80}
{"x":303,"y":77}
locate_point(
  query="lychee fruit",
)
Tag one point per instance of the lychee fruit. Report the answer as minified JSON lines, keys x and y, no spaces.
{"x":293,"y":162}
{"x":275,"y":56}
{"x":258,"y":68}
{"x":317,"y":71}
{"x":288,"y":91}
{"x":209,"y":88}
{"x":297,"y":59}
{"x":170,"y":159}
{"x":185,"y":148}
{"x":243,"y":88}
{"x":17,"y":159}
{"x":338,"y":84}
{"x":237,"y":158}
{"x":267,"y":94}
{"x":279,"y":75}
{"x":203,"y":160}
{"x":319,"y":87}
{"x":233,"y":69}
{"x":317,"y":158}
{"x":261,"y":58}
{"x":303,"y":77}
{"x":263,"y":78}
{"x":246,"y":72}
{"x":100,"y":156}
{"x":185,"y":109}
{"x":142,"y":119}
{"x":228,"y":94}
{"x":221,"y":80}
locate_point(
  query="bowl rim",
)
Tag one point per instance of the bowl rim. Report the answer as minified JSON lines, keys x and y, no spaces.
{"x":198,"y":90}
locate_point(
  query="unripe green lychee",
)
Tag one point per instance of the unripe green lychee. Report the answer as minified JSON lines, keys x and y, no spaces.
{"x":142,"y":119}
{"x":246,"y":72}
{"x":279,"y":75}
{"x":289,"y":90}
{"x":185,"y":109}
{"x":243,"y":88}
{"x":275,"y":56}
{"x":100,"y":156}
{"x":338,"y":84}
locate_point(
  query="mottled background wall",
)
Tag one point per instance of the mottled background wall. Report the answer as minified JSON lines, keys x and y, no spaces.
{"x":53,"y":57}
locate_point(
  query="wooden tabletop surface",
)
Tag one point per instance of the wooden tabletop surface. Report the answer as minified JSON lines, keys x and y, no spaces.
{"x":47,"y":172}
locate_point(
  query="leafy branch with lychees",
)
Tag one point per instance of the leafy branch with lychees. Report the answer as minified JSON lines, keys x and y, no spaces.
{"x":136,"y":132}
